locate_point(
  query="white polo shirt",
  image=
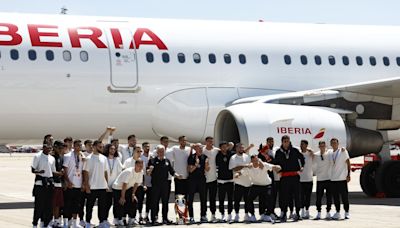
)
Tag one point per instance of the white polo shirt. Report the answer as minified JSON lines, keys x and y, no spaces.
{"x":211,"y":175}
{"x":74,"y":165}
{"x":307,"y":174}
{"x":179,"y":160}
{"x":129,"y":177}
{"x":236,"y":161}
{"x":323,"y":167}
{"x":96,"y":165}
{"x":44,"y":162}
{"x":339,"y":165}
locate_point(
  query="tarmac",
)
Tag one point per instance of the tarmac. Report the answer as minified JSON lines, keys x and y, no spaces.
{"x":16,"y":202}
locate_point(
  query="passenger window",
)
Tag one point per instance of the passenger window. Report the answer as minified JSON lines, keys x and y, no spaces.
{"x":331,"y":60}
{"x":32,"y":55}
{"x":318,"y":60}
{"x":372,"y":61}
{"x":181,"y":57}
{"x":149,"y":57}
{"x":386,"y":61}
{"x":84,"y":56}
{"x":303,"y":59}
{"x":359,"y":60}
{"x":227,"y":58}
{"x":242,"y":59}
{"x":196,"y":58}
{"x":398,"y":61}
{"x":67,"y":56}
{"x":165,"y":57}
{"x":287,"y":59}
{"x":212,"y":58}
{"x":49,"y":55}
{"x":264,"y":59}
{"x":345,"y":60}
{"x":14,"y":54}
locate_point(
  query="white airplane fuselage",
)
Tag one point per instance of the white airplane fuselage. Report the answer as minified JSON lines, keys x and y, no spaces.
{"x":150,"y":99}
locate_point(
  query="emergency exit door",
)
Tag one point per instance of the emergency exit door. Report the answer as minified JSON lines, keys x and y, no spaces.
{"x":123,"y":59}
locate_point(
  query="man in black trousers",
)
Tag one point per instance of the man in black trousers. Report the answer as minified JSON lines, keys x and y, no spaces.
{"x":159,"y":168}
{"x":292,"y":163}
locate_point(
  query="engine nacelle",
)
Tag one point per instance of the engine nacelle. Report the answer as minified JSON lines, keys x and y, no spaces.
{"x":253,"y":122}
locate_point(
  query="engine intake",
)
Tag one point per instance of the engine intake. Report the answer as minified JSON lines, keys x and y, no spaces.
{"x":253,"y":122}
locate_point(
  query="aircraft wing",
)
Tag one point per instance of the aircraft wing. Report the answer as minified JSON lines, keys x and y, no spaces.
{"x":376,"y":102}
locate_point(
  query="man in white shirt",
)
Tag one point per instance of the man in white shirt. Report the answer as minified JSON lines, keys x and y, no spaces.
{"x":242,"y":184}
{"x":127,"y":152}
{"x":340,"y":176}
{"x":124,"y":190}
{"x":211,"y":176}
{"x":306,"y":179}
{"x":73,"y":164}
{"x":43,"y":166}
{"x":95,"y":171}
{"x":179,"y":159}
{"x":261,"y":187}
{"x":323,"y":172}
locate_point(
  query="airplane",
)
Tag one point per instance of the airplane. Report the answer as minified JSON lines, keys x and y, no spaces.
{"x":238,"y":81}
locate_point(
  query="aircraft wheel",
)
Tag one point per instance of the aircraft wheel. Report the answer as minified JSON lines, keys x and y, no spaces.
{"x":388,"y":179}
{"x":367,"y":178}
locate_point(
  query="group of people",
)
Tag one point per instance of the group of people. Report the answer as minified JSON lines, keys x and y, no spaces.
{"x":69,"y":180}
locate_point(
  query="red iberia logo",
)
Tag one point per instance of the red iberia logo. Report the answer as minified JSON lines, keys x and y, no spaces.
{"x":320,"y":134}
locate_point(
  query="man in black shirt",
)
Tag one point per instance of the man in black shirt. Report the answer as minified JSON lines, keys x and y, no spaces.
{"x":197,"y":166}
{"x":292,"y":163}
{"x":158,"y":168}
{"x":225,"y":180}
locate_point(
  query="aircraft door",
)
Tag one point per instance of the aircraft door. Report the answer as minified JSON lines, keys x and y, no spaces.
{"x":123,"y":60}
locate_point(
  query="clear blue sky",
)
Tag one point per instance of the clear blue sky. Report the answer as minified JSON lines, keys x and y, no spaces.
{"x":377,"y":12}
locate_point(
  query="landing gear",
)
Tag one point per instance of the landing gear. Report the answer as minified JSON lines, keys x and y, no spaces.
{"x":388,"y":179}
{"x":367,"y":178}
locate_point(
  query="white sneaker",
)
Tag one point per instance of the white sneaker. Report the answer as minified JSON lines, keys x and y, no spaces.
{"x":252,"y":218}
{"x":223,"y":218}
{"x":132,"y":221}
{"x":236,"y":219}
{"x":336,"y":216}
{"x":229,"y":218}
{"x":328,"y":216}
{"x":346,"y":215}
{"x":303,"y":213}
{"x":213,"y":219}
{"x":246,"y":217}
{"x":318,"y":217}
